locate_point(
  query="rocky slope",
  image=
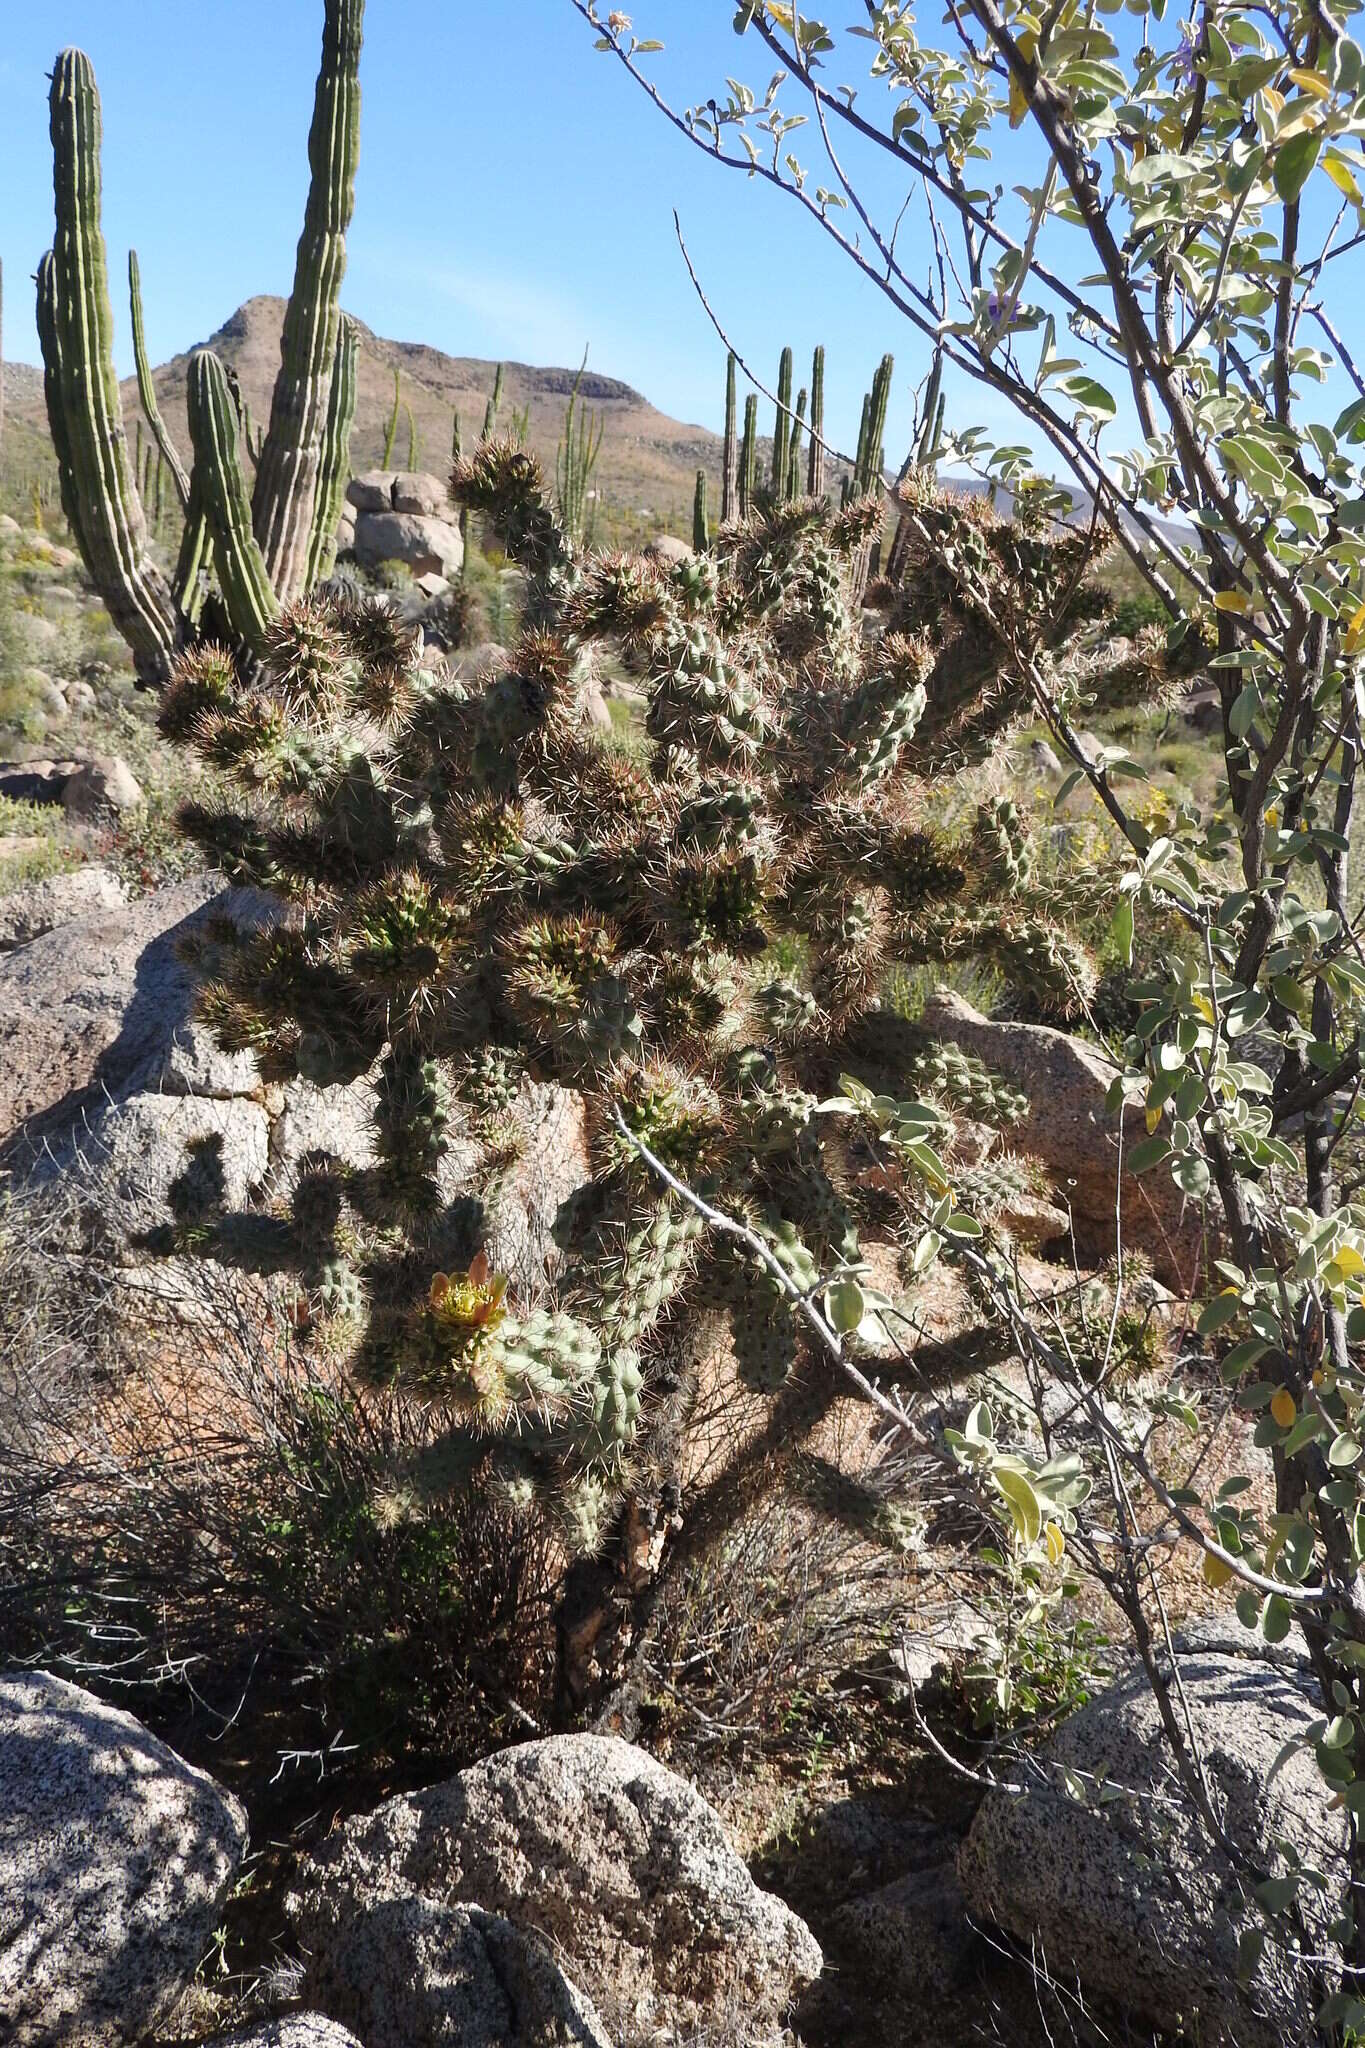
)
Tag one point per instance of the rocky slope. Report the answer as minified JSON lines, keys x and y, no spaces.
{"x":648,"y":463}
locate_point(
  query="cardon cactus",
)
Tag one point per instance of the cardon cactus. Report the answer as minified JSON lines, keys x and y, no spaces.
{"x":303,"y":461}
{"x":694,"y":933}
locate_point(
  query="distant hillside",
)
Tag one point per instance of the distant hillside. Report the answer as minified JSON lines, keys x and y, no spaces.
{"x":646,"y":472}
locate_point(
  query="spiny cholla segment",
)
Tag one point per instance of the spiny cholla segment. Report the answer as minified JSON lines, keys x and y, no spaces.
{"x":480,"y":891}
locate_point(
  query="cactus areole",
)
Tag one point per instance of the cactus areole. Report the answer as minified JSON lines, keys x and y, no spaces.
{"x":266,"y":550}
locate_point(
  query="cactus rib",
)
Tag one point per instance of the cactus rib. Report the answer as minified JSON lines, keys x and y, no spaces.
{"x":80,"y":322}
{"x":146,"y":390}
{"x":242,"y":573}
{"x":289,"y":472}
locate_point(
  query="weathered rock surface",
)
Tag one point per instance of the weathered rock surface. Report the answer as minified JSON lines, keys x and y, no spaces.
{"x":1075,"y":1137}
{"x":291,"y":2030}
{"x":106,"y":784}
{"x":593,"y":1844}
{"x":1129,"y":1895}
{"x":97,"y":1004}
{"x":37,"y":781}
{"x":38,"y":907}
{"x":422,"y":541}
{"x":114,"y":1858}
{"x":668,"y":550}
{"x":403,"y":516}
{"x":413,"y":1973}
{"x":144,"y":1160}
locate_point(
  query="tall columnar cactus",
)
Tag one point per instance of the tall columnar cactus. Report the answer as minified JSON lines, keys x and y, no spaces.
{"x":815,"y":471}
{"x":391,"y":431}
{"x":294,"y":504}
{"x":75,"y":329}
{"x":729,"y":479}
{"x":782,"y":427}
{"x":794,"y":449}
{"x":284,"y":504}
{"x":701,"y":533}
{"x":492,"y":897}
{"x":748,"y":458}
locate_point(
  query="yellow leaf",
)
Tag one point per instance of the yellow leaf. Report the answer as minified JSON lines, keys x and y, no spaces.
{"x":1204,"y":1007}
{"x":1312,"y":82}
{"x":1283,"y":1407}
{"x":1348,"y":1261}
{"x":1274,"y":100}
{"x":1354,"y":638}
{"x":1154,"y":1117}
{"x":1342,"y":176}
{"x":1018,"y":103}
{"x":1231,"y":601}
{"x":1056,"y":1544}
{"x":1022,"y":1502}
{"x":1215,"y":1571}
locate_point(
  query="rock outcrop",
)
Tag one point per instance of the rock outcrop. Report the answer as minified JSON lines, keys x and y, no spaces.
{"x":410,"y":1972}
{"x":596,"y":1847}
{"x":115,"y":1856}
{"x":1104,"y":1865}
{"x":403,"y":516}
{"x":1070,"y":1131}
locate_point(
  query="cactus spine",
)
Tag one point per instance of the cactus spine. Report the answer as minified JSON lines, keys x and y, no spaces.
{"x":701,"y":538}
{"x":815,"y":471}
{"x":298,"y":454}
{"x":730,"y":452}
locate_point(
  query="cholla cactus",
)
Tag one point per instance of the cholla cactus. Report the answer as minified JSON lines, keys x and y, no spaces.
{"x":481,"y":889}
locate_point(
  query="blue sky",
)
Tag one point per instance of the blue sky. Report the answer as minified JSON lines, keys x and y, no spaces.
{"x":514,"y":197}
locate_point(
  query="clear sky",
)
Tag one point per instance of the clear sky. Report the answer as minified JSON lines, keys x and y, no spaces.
{"x":514,"y":197}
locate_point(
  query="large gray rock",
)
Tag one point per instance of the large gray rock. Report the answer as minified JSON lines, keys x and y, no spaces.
{"x":371,"y":492}
{"x":1075,"y":1137}
{"x":1128,"y":1894}
{"x":38,"y":907}
{"x":423,"y":542}
{"x":547,"y":1161}
{"x":95,"y":1007}
{"x":410,"y":1972}
{"x":417,"y":490}
{"x":115,"y":1856}
{"x":105,"y":785}
{"x":593,"y":1844}
{"x":290,"y":2030}
{"x":144,"y":1161}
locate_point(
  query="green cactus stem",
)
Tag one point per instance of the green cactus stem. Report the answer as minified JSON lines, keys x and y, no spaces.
{"x":782,"y":426}
{"x":290,"y":468}
{"x":815,"y":471}
{"x":748,"y":461}
{"x":730,"y":450}
{"x":701,"y":538}
{"x":490,"y":417}
{"x":214,"y":426}
{"x":391,"y":431}
{"x":413,"y":441}
{"x":76,"y":324}
{"x":336,"y":454}
{"x":794,"y":450}
{"x":146,"y":390}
